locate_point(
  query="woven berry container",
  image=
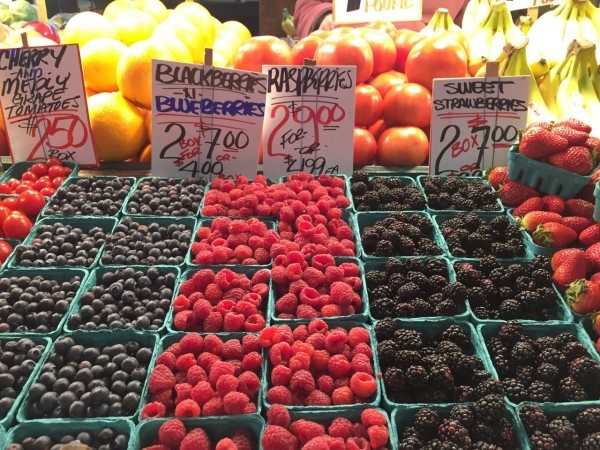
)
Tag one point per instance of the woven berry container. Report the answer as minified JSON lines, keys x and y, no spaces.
{"x":56,"y":430}
{"x":86,"y":223}
{"x":95,"y":279}
{"x":534,"y":249}
{"x":2,"y":435}
{"x":464,"y":312}
{"x":597,"y":202}
{"x":543,"y":177}
{"x":98,"y":338}
{"x":421,"y":178}
{"x":587,"y":325}
{"x":347,"y":325}
{"x":362,"y":316}
{"x":431,"y":329}
{"x":406,"y":181}
{"x":216,"y":428}
{"x":8,"y":420}
{"x":18,"y":169}
{"x":249,"y":271}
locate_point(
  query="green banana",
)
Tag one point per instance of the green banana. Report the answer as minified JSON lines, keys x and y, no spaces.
{"x":287,"y":24}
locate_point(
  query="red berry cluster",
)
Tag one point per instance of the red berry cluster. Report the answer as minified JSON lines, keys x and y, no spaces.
{"x":42,"y":177}
{"x":316,"y":366}
{"x":370,"y":432}
{"x":221,"y":301}
{"x":173,"y":435}
{"x":227,"y":241}
{"x":205,"y":377}
{"x":319,"y":289}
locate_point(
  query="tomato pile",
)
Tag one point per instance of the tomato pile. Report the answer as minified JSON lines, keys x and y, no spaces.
{"x":44,"y":178}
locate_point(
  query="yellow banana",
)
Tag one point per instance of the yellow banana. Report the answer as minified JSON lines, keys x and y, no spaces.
{"x":569,"y":100}
{"x":480,"y":42}
{"x":497,"y":43}
{"x":475,"y":15}
{"x":550,"y":82}
{"x":524,"y":24}
{"x":547,"y":35}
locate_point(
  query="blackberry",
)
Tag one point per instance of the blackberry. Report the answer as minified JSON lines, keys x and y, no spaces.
{"x":574,"y":350}
{"x":405,"y":310}
{"x":410,"y":443}
{"x":462,"y":414}
{"x":522,"y":354}
{"x":479,"y":376}
{"x":441,"y":377}
{"x":563,"y":432}
{"x":571,"y":391}
{"x":394,"y":380}
{"x":548,"y":373}
{"x":588,"y":421}
{"x":376,"y":279}
{"x":452,"y":431}
{"x":360,"y":176}
{"x":524,"y":374}
{"x":483,"y":312}
{"x":464,"y":394}
{"x":407,"y":358}
{"x":396,"y":281}
{"x":455,"y":291}
{"x":510,"y":332}
{"x":387,"y":351}
{"x":591,"y":442}
{"x":541,"y":441}
{"x":456,"y":335}
{"x":510,"y":309}
{"x":422,"y":308}
{"x":515,"y":390}
{"x":408,"y":291}
{"x":408,"y":339}
{"x":385,"y":328}
{"x":533,"y":419}
{"x":446,"y":347}
{"x":484,"y":432}
{"x":490,"y":387}
{"x":481,"y":445}
{"x":446,"y":308}
{"x":462,"y":366}
{"x":564,"y":338}
{"x":417,"y":376}
{"x":426,"y":422}
{"x":585,"y":371}
{"x":410,"y":432}
{"x":540,"y":392}
{"x":554,"y":357}
{"x":507,"y":434}
{"x":382,"y":308}
{"x":490,"y":408}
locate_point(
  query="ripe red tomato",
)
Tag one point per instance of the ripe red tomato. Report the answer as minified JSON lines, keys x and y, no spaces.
{"x":29,"y":176}
{"x":56,"y":182}
{"x":53,"y":162}
{"x":368,"y":105}
{"x":402,"y":146}
{"x":56,"y":171}
{"x":408,"y":104}
{"x":16,"y":225}
{"x":382,"y":45}
{"x":4,"y":189}
{"x":365,"y":147}
{"x":347,"y":50}
{"x":47,"y":191}
{"x":386,"y":81}
{"x":5,"y":251}
{"x":4,"y":213}
{"x":262,"y":50}
{"x":11,"y":203}
{"x":305,"y":49}
{"x":405,"y":41}
{"x":41,"y":184}
{"x":31,"y":202}
{"x":23,"y":187}
{"x":40,"y":169}
{"x":13,"y":183}
{"x":377,"y":128}
{"x":383,"y":25}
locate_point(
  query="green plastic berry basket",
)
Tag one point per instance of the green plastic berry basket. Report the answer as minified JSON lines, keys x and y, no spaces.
{"x":431,"y":329}
{"x":249,"y":271}
{"x":206,"y":223}
{"x":362,"y":316}
{"x":215,"y":427}
{"x":347,"y":325}
{"x":562,"y":312}
{"x":165,"y":221}
{"x":86,"y":223}
{"x":207,"y":189}
{"x":9,"y":419}
{"x":464,"y":312}
{"x":2,"y":435}
{"x":101,"y":339}
{"x":587,"y":325}
{"x":534,"y":249}
{"x":368,"y":219}
{"x":597,"y":202}
{"x":404,"y":416}
{"x":141,"y":181}
{"x":95,"y":279}
{"x":405,"y":180}
{"x":72,"y":180}
{"x":421,"y":178}
{"x":60,"y":275}
{"x":68,"y":427}
{"x":439,"y":220}
{"x":18,"y":169}
{"x":543,"y":177}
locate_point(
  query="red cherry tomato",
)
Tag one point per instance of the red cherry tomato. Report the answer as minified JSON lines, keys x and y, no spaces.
{"x":24,"y":187}
{"x":13,"y":183}
{"x":4,"y":213}
{"x":41,"y":184}
{"x":29,"y":176}
{"x":31,"y":202}
{"x":11,"y":203}
{"x":56,"y":171}
{"x":40,"y":169}
{"x":16,"y":225}
{"x":5,"y":251}
{"x":56,"y":182}
{"x":54,"y":162}
{"x":67,"y":170}
{"x":48,"y":191}
{"x":4,"y":188}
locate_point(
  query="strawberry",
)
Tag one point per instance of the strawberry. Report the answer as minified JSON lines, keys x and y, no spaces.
{"x":531,"y":204}
{"x":572,"y":136}
{"x":596,"y":279}
{"x":587,"y":192}
{"x":533,"y":219}
{"x":578,"y":224}
{"x":575,"y":124}
{"x":553,"y":203}
{"x":595,"y":318}
{"x":583,"y":296}
{"x":539,"y":143}
{"x":574,"y":159}
{"x":562,"y":255}
{"x":592,"y":254}
{"x":590,"y":235}
{"x":497,"y":176}
{"x":545,"y":125}
{"x":581,"y":208}
{"x":513,"y":193}
{"x":572,"y":268}
{"x":553,"y":234}
{"x":593,"y":143}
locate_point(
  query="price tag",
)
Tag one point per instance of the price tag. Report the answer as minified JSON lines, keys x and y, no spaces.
{"x":348,"y":12}
{"x":206,"y":121}
{"x":474,"y":122}
{"x":309,"y":120}
{"x":44,"y":104}
{"x":516,"y":5}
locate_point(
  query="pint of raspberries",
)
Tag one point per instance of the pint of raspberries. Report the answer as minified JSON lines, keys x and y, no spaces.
{"x":222,"y":301}
{"x":316,"y":366}
{"x":205,"y":376}
{"x":315,"y":287}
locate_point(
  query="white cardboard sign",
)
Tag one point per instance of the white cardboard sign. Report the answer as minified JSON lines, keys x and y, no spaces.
{"x":309,"y":120}
{"x":206,"y":121}
{"x":44,"y":104}
{"x":516,"y":5}
{"x":474,"y":122}
{"x":347,"y":12}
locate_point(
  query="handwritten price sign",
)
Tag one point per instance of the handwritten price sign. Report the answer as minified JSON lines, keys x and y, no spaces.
{"x":474,"y":122}
{"x":206,"y":121}
{"x":346,"y":12}
{"x":44,"y":104}
{"x":309,"y":120}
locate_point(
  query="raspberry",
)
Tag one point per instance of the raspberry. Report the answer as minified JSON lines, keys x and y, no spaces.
{"x":235,"y":403}
{"x":184,"y":320}
{"x":300,"y":361}
{"x":157,"y":447}
{"x":287,"y":304}
{"x":378,"y":436}
{"x":318,"y":398}
{"x":171,"y":433}
{"x":303,"y":382}
{"x":336,"y":340}
{"x":213,"y":322}
{"x":281,"y":375}
{"x":187,"y":408}
{"x":168,"y":359}
{"x":362,"y":363}
{"x":233,"y":322}
{"x":305,"y":430}
{"x":213,"y":407}
{"x":226,"y":444}
{"x":278,"y":415}
{"x":340,"y":292}
{"x":342,"y":396}
{"x":276,"y":438}
{"x":249,"y":383}
{"x":331,"y":311}
{"x":218,"y":369}
{"x":246,"y":309}
{"x":184,"y":362}
{"x":214,"y":343}
{"x":202,"y":393}
{"x":338,"y":366}
{"x":226,"y":384}
{"x":358,"y":335}
{"x":357,"y":443}
{"x":161,"y":378}
{"x":372,"y":416}
{"x":182,"y":391}
{"x":164,"y":397}
{"x":279,"y":394}
{"x":206,"y":360}
{"x":153,"y":410}
{"x":181,"y":303}
{"x":306,"y":312}
{"x":363,"y":385}
{"x":325,"y":384}
{"x":317,"y":326}
{"x":243,"y":439}
{"x":197,"y":439}
{"x":202,"y":308}
{"x":280,"y":353}
{"x":250,"y":343}
{"x":261,"y":276}
{"x":364,"y":349}
{"x":317,"y":341}
{"x":254,"y":323}
{"x":232,"y":349}
{"x":252,"y":361}
{"x":340,"y":427}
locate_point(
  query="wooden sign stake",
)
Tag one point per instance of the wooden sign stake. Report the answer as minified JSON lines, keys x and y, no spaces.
{"x":492,"y":69}
{"x":533,"y":13}
{"x":309,"y":62}
{"x":208,"y":56}
{"x":42,"y":10}
{"x":24,"y":40}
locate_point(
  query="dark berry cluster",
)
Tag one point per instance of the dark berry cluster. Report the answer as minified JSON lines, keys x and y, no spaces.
{"x":469,"y":235}
{"x":546,"y":369}
{"x":400,"y":235}
{"x":90,"y":196}
{"x":18,"y":358}
{"x":460,"y":194}
{"x":577,"y":430}
{"x":414,"y":288}
{"x":146,"y":242}
{"x":515,"y":291}
{"x":81,"y":380}
{"x":483,"y":425}
{"x":34,"y":304}
{"x":126,"y":298}
{"x":167,"y":197}
{"x":420,"y":370}
{"x":60,"y":244}
{"x":384,"y":194}
{"x":104,"y":439}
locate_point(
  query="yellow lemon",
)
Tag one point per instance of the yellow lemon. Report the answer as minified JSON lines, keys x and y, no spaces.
{"x":221,"y":59}
{"x":146,"y":154}
{"x":235,"y":28}
{"x":178,"y":49}
{"x":89,"y":92}
{"x":155,"y":8}
{"x":85,"y":26}
{"x":134,"y":26}
{"x":118,"y":128}
{"x":177,"y":26}
{"x":99,"y":59}
{"x":216,"y":24}
{"x":198,"y":15}
{"x":227,"y":44}
{"x":116,"y":7}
